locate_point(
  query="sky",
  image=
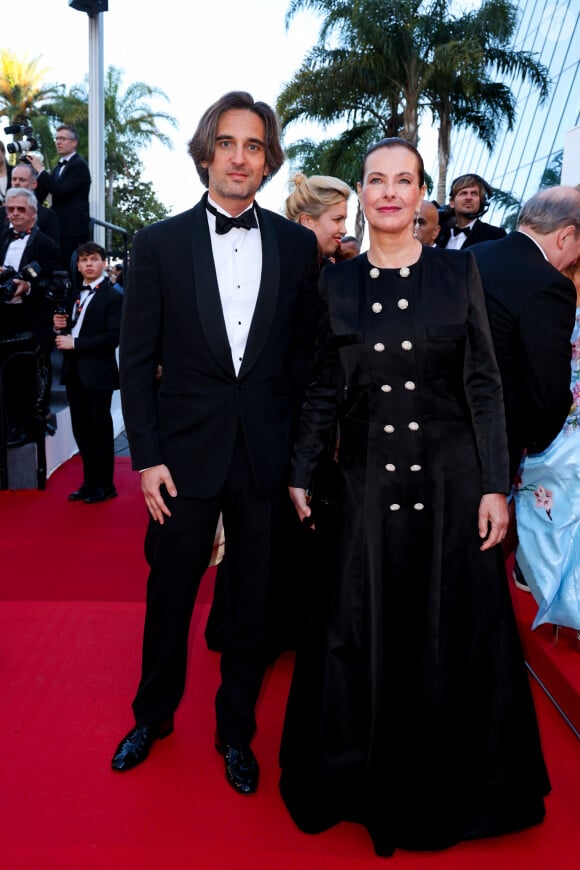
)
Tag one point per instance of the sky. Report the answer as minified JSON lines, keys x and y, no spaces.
{"x":193,"y":50}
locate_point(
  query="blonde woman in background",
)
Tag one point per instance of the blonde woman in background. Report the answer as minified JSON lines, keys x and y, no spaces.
{"x":320,"y":204}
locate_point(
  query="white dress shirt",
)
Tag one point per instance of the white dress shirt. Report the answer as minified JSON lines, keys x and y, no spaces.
{"x":456,"y":242}
{"x":237,"y":257}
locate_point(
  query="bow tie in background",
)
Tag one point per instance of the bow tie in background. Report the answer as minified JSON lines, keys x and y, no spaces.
{"x":457,"y":230}
{"x":15,"y":234}
{"x":224,"y":223}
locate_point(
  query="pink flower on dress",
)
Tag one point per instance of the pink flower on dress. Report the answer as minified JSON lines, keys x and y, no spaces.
{"x":576,"y":349}
{"x":544,"y":499}
{"x":576,"y":393}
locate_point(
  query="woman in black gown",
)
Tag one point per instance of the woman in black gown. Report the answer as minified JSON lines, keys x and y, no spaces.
{"x":410,"y":709}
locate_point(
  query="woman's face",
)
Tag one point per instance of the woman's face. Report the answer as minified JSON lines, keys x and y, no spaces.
{"x":390,"y":193}
{"x":329,"y":227}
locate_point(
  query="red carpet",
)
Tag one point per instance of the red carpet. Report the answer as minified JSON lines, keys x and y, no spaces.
{"x":71,"y":607}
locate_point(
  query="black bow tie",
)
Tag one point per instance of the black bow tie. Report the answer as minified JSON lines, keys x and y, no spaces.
{"x":15,"y":234}
{"x":457,"y":230}
{"x":224,"y":223}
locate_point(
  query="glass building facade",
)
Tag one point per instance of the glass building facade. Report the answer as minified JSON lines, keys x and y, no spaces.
{"x":530,"y":155}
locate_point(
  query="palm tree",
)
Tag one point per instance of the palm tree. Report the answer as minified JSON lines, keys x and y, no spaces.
{"x":24,"y":95}
{"x":381,"y":65}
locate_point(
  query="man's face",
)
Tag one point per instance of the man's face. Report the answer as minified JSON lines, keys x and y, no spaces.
{"x":20,"y":213}
{"x":238,"y":166}
{"x":22,"y":177}
{"x":65,"y":143}
{"x":467,"y":201}
{"x":91,"y":267}
{"x":427,"y":223}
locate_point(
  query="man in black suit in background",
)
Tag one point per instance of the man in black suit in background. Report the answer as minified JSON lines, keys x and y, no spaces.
{"x":224,"y":297}
{"x":88,"y":337}
{"x":24,"y":175}
{"x":531,"y":308}
{"x":468,"y":201}
{"x":22,"y":243}
{"x":68,"y":184}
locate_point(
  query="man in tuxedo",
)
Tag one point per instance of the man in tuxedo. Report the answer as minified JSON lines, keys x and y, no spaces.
{"x":468,"y":201}
{"x":23,"y":316}
{"x":531,"y":308}
{"x":224,"y":298}
{"x":68,"y":184}
{"x":24,"y":175}
{"x":88,"y":337}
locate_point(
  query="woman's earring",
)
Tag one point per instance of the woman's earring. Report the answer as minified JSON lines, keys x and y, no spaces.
{"x":416,"y":224}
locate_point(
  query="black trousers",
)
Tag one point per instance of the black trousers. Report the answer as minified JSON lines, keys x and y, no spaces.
{"x":92,"y":425}
{"x":178,"y":553}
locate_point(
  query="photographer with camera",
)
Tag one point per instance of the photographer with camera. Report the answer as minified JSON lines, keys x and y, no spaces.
{"x":461,"y":226}
{"x":68,"y":184}
{"x":25,"y":253}
{"x":88,"y":335}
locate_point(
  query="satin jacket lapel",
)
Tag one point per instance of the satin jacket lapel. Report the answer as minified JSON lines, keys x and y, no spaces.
{"x":267,"y":295}
{"x":207,"y":292}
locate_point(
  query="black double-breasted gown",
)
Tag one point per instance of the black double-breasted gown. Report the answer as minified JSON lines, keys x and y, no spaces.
{"x":410,"y":709}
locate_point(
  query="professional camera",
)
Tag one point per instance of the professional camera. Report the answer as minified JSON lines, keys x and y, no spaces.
{"x":9,"y":275}
{"x":56,"y":289}
{"x":22,"y":146}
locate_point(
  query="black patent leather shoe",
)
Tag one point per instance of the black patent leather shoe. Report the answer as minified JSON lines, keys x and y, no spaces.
{"x":80,"y":494}
{"x":135,"y":747}
{"x":242,"y":769}
{"x":100,"y":494}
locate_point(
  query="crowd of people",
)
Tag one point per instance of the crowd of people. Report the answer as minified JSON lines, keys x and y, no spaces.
{"x":359,"y":423}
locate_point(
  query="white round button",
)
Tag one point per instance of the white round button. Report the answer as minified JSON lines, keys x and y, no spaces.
{"x":389,"y":428}
{"x":379,"y":347}
{"x":403,"y":303}
{"x":389,"y":466}
{"x":409,"y":385}
{"x":415,"y":468}
{"x":407,"y":345}
{"x":374,"y":272}
{"x":394,"y":507}
{"x":386,"y":388}
{"x":418,"y":506}
{"x":377,"y":307}
{"x":413,"y":426}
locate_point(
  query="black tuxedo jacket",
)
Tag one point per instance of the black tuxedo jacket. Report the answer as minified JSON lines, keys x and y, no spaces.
{"x":94,"y":353}
{"x":70,"y":195}
{"x":172,"y":316}
{"x":531,"y":308}
{"x":480,"y":232}
{"x":42,"y":249}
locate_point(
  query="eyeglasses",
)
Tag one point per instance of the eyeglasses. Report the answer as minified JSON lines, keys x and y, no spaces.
{"x":19,"y":208}
{"x":63,"y":139}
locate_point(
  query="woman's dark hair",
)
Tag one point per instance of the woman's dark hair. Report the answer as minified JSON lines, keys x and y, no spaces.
{"x":202,"y":145}
{"x":396,"y":142}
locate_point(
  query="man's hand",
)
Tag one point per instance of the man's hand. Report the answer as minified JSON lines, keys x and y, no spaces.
{"x":22,"y":288}
{"x":59,"y":321}
{"x":65,"y":342}
{"x":36,"y":162}
{"x":152,"y":479}
{"x":493,"y":519}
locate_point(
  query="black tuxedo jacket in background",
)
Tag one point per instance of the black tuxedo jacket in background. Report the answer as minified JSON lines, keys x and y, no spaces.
{"x":94,"y":353}
{"x":531,"y":308}
{"x":480,"y":232}
{"x":70,"y":195}
{"x":172,"y":316}
{"x":42,"y":249}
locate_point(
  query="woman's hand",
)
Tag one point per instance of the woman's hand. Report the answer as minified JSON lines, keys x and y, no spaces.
{"x":493,"y":519}
{"x":300,"y":501}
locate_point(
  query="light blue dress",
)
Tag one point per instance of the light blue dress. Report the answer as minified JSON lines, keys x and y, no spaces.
{"x":548,"y":516}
